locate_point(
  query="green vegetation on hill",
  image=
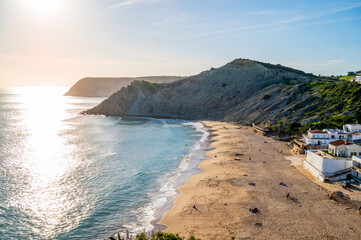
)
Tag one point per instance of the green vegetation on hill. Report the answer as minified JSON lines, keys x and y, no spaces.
{"x":341,"y":104}
{"x":335,"y":104}
{"x":149,"y":87}
{"x":346,"y":78}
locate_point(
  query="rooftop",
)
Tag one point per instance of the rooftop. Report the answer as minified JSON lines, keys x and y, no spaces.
{"x":356,"y":134}
{"x":340,"y":142}
{"x":353,"y":125}
{"x":335,"y":131}
{"x":317,"y":131}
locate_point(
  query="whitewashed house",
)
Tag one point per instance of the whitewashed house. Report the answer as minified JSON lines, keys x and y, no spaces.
{"x":353,"y":150}
{"x":355,"y":137}
{"x":343,"y":148}
{"x":325,"y":167}
{"x":323,"y":138}
{"x":336,"y":134}
{"x":358,"y":79}
{"x":338,"y":148}
{"x":316,"y":137}
{"x":356,"y":167}
{"x":352,"y":128}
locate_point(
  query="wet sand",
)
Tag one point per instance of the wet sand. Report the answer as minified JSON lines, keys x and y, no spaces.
{"x":215,"y":203}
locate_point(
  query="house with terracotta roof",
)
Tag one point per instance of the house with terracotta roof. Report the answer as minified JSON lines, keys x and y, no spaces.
{"x":338,"y":148}
{"x":343,"y":148}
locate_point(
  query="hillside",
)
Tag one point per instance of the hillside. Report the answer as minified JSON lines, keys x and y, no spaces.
{"x":242,"y":90}
{"x":104,"y":87}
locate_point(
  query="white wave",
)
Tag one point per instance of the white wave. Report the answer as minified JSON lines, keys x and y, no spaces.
{"x":169,"y":186}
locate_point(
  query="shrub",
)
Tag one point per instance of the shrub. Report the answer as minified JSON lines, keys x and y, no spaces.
{"x":156,"y":236}
{"x":267,"y":96}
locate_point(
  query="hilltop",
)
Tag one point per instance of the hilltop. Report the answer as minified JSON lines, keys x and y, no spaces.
{"x":243,"y":91}
{"x":104,"y":87}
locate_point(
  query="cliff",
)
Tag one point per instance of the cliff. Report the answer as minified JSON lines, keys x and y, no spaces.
{"x":243,"y":90}
{"x":104,"y":87}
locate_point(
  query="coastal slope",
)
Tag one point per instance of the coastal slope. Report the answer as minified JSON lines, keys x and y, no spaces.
{"x":242,"y":90}
{"x":104,"y":87}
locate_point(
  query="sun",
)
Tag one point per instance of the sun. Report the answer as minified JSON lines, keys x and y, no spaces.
{"x":44,"y":7}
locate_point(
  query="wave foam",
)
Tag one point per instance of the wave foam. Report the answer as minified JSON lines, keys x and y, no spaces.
{"x":170,"y":184}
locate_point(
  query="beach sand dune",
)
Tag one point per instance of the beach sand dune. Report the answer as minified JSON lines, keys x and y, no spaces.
{"x":247,"y":172}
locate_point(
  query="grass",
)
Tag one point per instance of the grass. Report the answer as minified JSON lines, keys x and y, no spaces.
{"x":346,"y":78}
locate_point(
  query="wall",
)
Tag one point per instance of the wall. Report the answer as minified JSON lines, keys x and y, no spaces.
{"x":353,"y":148}
{"x":356,"y":161}
{"x":323,"y":167}
{"x":355,"y":137}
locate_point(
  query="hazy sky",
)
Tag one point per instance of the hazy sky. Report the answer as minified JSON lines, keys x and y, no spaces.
{"x":57,"y":42}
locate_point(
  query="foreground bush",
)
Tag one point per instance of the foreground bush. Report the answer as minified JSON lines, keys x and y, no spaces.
{"x":162,"y":236}
{"x":155,"y":236}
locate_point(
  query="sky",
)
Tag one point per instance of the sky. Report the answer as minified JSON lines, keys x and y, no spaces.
{"x":57,"y":42}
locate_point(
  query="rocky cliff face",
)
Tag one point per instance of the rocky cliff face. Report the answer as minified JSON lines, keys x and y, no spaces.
{"x":104,"y":87}
{"x":243,"y":90}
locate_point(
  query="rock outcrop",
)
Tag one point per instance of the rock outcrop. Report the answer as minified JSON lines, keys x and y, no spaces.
{"x":243,"y":90}
{"x":104,"y":87}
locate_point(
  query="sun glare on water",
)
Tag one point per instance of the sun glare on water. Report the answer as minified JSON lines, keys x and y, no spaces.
{"x":45,"y":163}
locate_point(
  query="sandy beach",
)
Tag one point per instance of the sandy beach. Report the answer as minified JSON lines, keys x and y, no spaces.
{"x":246,"y":171}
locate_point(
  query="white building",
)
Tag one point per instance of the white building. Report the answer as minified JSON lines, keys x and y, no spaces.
{"x":358,"y":79}
{"x":336,"y":134}
{"x":316,"y":137}
{"x":324,"y":167}
{"x":338,"y":148}
{"x":356,"y":167}
{"x":353,"y":150}
{"x":355,"y":137}
{"x":352,"y":128}
{"x":324,"y":137}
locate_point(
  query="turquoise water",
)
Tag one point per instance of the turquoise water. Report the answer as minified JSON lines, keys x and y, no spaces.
{"x":69,"y":176}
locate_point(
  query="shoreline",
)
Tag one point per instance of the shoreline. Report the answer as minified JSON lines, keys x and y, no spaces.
{"x":162,"y":201}
{"x":194,"y":158}
{"x":243,"y":171}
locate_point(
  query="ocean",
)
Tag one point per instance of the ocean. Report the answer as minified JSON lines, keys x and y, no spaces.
{"x":64,"y":175}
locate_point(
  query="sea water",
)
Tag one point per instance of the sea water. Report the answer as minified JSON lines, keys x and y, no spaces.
{"x":64,"y":175}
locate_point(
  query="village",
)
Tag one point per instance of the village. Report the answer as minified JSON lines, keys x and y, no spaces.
{"x":329,"y":157}
{"x":332,"y":154}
